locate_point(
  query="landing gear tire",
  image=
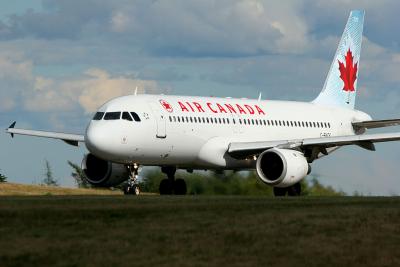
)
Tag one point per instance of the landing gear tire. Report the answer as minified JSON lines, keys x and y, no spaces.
{"x":166,"y":187}
{"x":132,"y":190}
{"x":171,"y":186}
{"x":294,"y":190}
{"x":280,"y":191}
{"x":177,"y":187}
{"x":180,"y":187}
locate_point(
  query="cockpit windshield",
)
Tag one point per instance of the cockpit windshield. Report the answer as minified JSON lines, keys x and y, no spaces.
{"x":126,"y":116}
{"x":135,"y":116}
{"x":98,"y":116}
{"x":116,"y":115}
{"x":112,"y":116}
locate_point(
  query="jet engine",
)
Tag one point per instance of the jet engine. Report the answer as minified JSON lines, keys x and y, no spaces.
{"x":282,"y":167}
{"x":103,"y":173}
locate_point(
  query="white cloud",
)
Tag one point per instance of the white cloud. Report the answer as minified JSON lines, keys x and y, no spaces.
{"x":90,"y":91}
{"x":39,"y":94}
{"x":379,"y":65}
{"x":120,"y":22}
{"x":212,"y":27}
{"x":99,"y":87}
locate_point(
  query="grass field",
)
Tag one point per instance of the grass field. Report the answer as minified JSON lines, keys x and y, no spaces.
{"x":198,"y":231}
{"x":13,"y":189}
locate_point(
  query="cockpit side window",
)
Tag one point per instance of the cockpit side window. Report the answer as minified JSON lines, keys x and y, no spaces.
{"x":126,"y":116}
{"x":112,"y":116}
{"x":98,"y":116}
{"x":135,"y":116}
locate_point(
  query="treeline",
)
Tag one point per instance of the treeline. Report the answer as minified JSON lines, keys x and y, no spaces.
{"x":230,"y":183}
{"x":200,"y":183}
{"x":214,"y":183}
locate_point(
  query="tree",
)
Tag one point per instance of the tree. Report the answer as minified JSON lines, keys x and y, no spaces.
{"x":79,"y":175}
{"x":315,"y":188}
{"x":49,"y":178}
{"x":3,"y":178}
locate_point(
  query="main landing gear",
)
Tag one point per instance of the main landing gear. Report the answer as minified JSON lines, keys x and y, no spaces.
{"x":132,"y":188}
{"x":292,"y":191}
{"x":170,"y":185}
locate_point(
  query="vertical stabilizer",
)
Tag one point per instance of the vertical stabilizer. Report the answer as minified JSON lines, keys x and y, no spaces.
{"x":340,"y":88}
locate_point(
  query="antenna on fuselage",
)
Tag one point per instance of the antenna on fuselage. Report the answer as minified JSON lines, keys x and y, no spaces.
{"x":259,"y":96}
{"x":136,"y":90}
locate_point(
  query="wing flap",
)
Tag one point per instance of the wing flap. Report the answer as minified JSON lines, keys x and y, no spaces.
{"x":245,"y":149}
{"x":351,"y":139}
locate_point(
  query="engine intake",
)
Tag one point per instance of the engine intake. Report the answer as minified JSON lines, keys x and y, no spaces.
{"x":103,"y":173}
{"x":282,"y":167}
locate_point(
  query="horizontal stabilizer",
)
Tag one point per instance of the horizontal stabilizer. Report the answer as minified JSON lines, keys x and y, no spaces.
{"x":376,"y":123}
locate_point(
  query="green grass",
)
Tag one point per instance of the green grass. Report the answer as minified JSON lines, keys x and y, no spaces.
{"x":199,"y":231}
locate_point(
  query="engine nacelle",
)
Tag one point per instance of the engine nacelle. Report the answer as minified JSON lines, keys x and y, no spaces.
{"x":282,"y":167}
{"x":103,"y":173}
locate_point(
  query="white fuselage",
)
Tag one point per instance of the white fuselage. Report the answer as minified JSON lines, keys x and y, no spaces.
{"x":195,"y":132}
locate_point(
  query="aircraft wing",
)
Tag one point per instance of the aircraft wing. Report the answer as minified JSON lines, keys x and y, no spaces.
{"x":71,"y":139}
{"x":376,"y":123}
{"x":245,"y":149}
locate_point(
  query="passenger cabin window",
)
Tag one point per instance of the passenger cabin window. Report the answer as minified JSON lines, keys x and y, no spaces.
{"x":112,"y":116}
{"x":135,"y":116}
{"x":98,"y":116}
{"x":126,"y":116}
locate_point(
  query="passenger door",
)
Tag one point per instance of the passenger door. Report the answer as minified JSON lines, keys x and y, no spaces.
{"x":160,"y":119}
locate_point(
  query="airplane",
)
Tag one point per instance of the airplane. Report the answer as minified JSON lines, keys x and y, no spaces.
{"x":279,"y":139}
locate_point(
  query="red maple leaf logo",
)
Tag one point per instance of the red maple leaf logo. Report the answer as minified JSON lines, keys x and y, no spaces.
{"x":348,"y":73}
{"x":166,"y":105}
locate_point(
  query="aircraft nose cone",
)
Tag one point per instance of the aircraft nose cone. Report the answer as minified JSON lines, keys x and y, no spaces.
{"x":94,"y":140}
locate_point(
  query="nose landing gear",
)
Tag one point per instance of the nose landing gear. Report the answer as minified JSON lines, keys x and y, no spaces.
{"x":170,"y":186}
{"x":132,"y":188}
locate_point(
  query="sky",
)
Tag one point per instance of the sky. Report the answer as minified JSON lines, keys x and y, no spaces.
{"x":60,"y":60}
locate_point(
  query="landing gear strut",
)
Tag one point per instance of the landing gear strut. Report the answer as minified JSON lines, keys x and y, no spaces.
{"x":292,"y":191}
{"x":132,"y":188}
{"x":171,"y":186}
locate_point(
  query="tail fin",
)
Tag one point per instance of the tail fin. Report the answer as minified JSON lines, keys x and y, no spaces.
{"x":340,"y":87}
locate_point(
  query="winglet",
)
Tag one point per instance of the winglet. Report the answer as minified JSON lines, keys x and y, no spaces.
{"x":12,"y":126}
